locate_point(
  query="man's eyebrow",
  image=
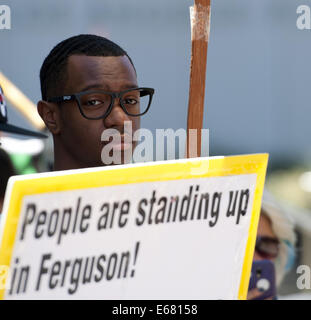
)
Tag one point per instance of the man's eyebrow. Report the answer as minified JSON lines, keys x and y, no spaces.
{"x":130,"y":86}
{"x":100,"y":86}
{"x":91,"y":86}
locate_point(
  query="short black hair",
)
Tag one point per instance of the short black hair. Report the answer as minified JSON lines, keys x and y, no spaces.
{"x":53,"y":70}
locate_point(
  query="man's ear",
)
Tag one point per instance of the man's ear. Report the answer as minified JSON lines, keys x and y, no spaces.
{"x":49,"y":112}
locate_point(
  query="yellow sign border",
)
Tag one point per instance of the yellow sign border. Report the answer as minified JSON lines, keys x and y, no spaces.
{"x":151,"y":172}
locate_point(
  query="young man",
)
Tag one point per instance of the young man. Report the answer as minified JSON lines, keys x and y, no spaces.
{"x":89,"y":84}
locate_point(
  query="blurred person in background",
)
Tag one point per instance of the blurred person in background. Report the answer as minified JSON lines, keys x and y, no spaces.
{"x":6,"y":127}
{"x":25,"y":154}
{"x":6,"y":171}
{"x":275,"y":242}
{"x":7,"y":168}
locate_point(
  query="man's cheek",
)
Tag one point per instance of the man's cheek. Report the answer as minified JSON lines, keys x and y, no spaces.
{"x":135,"y":124}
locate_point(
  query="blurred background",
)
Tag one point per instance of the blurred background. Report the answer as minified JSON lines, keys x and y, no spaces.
{"x":258,"y":79}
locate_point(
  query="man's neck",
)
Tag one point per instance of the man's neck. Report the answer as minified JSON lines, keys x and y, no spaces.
{"x":61,"y":163}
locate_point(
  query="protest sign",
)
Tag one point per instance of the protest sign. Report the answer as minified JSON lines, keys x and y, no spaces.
{"x":182,"y":229}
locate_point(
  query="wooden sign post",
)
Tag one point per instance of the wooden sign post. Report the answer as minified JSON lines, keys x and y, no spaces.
{"x":200,"y":28}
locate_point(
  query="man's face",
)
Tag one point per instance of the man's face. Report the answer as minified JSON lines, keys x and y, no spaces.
{"x":80,"y":136}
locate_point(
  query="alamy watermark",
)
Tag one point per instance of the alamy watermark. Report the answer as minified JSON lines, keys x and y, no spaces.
{"x":304,"y":280}
{"x":5,"y":17}
{"x":304,"y":17}
{"x":142,"y":145}
{"x":5,"y":277}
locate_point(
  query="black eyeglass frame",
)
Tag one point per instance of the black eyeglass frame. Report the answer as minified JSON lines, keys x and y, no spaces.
{"x":114,"y":95}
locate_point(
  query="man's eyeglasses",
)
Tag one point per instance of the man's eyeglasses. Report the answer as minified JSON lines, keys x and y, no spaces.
{"x":95,"y":105}
{"x":267,"y":247}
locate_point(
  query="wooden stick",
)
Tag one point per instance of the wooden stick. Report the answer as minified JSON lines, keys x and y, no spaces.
{"x":21,"y":102}
{"x":200,"y":28}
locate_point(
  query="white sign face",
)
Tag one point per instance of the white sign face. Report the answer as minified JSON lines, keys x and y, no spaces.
{"x":173,"y":239}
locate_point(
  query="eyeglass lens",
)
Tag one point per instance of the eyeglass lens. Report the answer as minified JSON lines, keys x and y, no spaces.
{"x":267,"y":247}
{"x":96,"y":104}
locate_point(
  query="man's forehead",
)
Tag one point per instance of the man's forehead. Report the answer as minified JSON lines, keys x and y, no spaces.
{"x":83,"y":71}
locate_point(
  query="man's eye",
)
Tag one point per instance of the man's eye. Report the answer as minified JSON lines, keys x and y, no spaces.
{"x":93,"y":102}
{"x":131,"y":102}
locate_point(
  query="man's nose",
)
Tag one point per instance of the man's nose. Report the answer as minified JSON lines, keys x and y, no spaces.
{"x":117,"y":116}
